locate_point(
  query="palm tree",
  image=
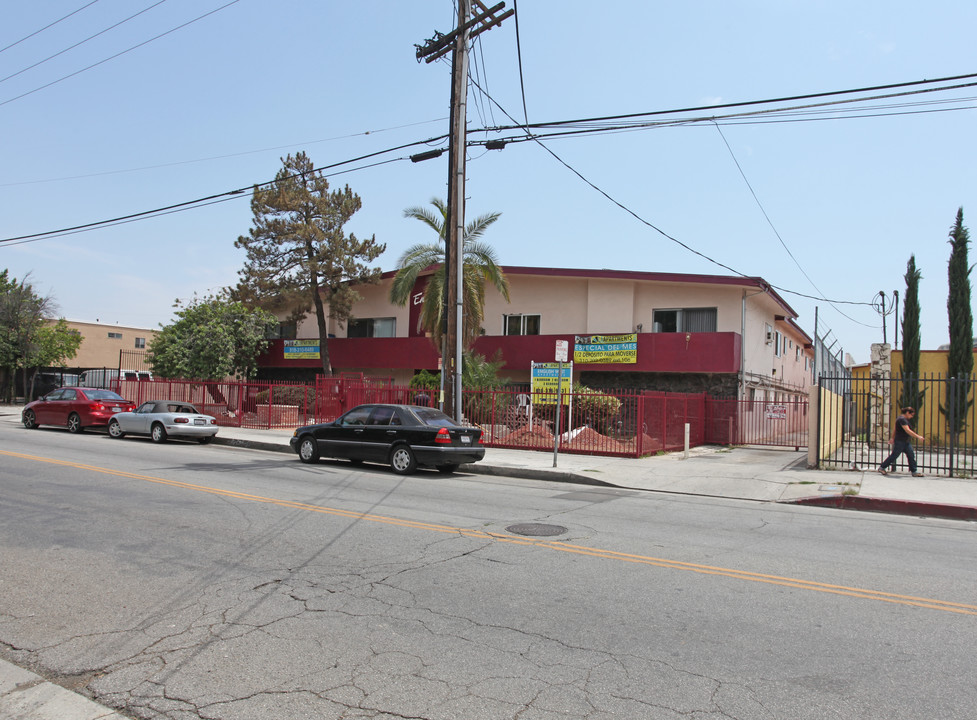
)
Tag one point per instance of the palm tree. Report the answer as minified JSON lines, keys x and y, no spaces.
{"x":479,"y":267}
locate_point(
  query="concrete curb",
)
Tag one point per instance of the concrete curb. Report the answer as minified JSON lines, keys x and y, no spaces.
{"x":892,"y":507}
{"x":555,"y":475}
{"x":26,"y":696}
{"x":252,"y":444}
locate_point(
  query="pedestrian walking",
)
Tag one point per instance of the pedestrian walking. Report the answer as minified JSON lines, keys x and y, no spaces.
{"x":901,"y":443}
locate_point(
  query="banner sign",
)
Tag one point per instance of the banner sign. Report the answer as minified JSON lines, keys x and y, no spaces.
{"x":605,"y":348}
{"x":546,"y":377}
{"x":301,"y":349}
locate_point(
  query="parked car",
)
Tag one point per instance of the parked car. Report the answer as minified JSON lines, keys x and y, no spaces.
{"x":75,"y":408}
{"x":404,"y":436}
{"x":162,"y":419}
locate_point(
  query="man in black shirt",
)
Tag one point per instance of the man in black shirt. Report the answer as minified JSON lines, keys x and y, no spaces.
{"x":900,"y":441}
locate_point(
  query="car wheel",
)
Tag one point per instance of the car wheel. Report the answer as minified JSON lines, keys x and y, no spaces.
{"x":402,"y":460}
{"x":205,"y":440}
{"x":308,"y":450}
{"x":158,"y":433}
{"x":115,"y":430}
{"x":447,"y":469}
{"x":30,"y":420}
{"x":74,"y":423}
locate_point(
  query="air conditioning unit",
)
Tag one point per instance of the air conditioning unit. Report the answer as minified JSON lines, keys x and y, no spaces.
{"x":769,"y":338}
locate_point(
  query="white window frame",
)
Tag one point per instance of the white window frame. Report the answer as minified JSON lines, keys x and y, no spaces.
{"x":523,"y":317}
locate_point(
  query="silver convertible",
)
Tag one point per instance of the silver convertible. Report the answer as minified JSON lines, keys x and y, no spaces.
{"x":162,"y":419}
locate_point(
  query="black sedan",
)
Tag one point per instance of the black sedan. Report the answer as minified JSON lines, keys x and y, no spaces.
{"x":405,"y":436}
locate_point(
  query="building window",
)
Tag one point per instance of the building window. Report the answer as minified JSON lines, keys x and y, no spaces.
{"x":778,"y":343}
{"x":115,"y":336}
{"x":520,"y":324}
{"x":284,"y":331}
{"x":685,"y":320}
{"x":140,"y":343}
{"x":371,"y":327}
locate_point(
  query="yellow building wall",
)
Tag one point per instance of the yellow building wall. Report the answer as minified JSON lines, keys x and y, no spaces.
{"x":101,"y":344}
{"x":932,"y":363}
{"x":831,"y":432}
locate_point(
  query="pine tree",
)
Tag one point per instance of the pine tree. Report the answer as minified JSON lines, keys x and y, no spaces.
{"x":911,"y":395}
{"x":299,"y":258}
{"x":960,"y":361}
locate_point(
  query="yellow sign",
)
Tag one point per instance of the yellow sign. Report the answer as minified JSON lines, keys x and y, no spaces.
{"x":301,"y":349}
{"x":546,"y":382}
{"x":606,"y":348}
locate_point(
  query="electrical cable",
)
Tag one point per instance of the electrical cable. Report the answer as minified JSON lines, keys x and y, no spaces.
{"x":81,"y":42}
{"x":756,"y":117}
{"x":746,"y":103}
{"x":221,"y":157}
{"x":675,"y":240}
{"x":118,"y":54}
{"x":775,"y":231}
{"x":49,"y":25}
{"x":190,"y":203}
{"x":234,"y":195}
{"x":522,"y":84}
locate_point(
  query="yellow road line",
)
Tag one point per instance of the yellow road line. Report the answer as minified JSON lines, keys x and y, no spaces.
{"x":930,"y":603}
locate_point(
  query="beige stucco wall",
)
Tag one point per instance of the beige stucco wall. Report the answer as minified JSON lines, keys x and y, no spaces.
{"x":374,"y":303}
{"x":561,"y":304}
{"x":601,"y":305}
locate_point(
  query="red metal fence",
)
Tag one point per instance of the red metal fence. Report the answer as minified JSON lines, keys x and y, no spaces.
{"x":617,"y":423}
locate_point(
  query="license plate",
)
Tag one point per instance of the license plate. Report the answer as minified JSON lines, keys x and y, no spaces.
{"x":465,"y":439}
{"x":199,"y":421}
{"x":116,"y":409}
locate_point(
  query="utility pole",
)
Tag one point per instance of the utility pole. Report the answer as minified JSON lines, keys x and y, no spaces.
{"x":456,"y":213}
{"x":454,"y":256}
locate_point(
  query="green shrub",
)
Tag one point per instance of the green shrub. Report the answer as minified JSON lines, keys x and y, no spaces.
{"x":599,"y":409}
{"x":287,"y":395}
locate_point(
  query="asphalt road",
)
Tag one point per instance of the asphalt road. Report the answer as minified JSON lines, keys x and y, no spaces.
{"x":181,"y":581}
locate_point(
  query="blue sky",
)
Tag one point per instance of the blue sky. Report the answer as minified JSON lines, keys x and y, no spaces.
{"x":830,"y":208}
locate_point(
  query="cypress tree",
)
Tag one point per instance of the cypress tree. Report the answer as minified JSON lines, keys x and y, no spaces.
{"x":911,"y":396}
{"x":960,"y":361}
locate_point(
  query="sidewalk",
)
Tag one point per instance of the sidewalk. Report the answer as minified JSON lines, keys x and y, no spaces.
{"x":741,"y":473}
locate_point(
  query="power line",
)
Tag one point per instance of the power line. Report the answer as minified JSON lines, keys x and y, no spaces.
{"x":664,"y":234}
{"x":772,"y":227}
{"x":81,"y":42}
{"x":747,"y":103}
{"x":182,"y":207}
{"x":221,"y":157}
{"x":49,"y":25}
{"x":189,"y":204}
{"x":118,"y":54}
{"x":587,"y":127}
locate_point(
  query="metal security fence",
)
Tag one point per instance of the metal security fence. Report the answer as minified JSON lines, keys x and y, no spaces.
{"x":623,"y":423}
{"x":857,"y":417}
{"x":781,"y":423}
{"x":591,"y":423}
{"x":235,"y":404}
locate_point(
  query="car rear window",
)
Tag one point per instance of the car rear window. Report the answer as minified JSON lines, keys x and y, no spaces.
{"x":104,"y":395}
{"x":433,"y":417}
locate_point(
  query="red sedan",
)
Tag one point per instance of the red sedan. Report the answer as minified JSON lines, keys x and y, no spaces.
{"x":75,"y":408}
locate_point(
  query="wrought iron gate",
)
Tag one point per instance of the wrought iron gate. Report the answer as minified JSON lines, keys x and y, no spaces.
{"x":856,"y":417}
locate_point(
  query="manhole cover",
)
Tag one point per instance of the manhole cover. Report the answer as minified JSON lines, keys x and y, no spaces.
{"x":536,"y":529}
